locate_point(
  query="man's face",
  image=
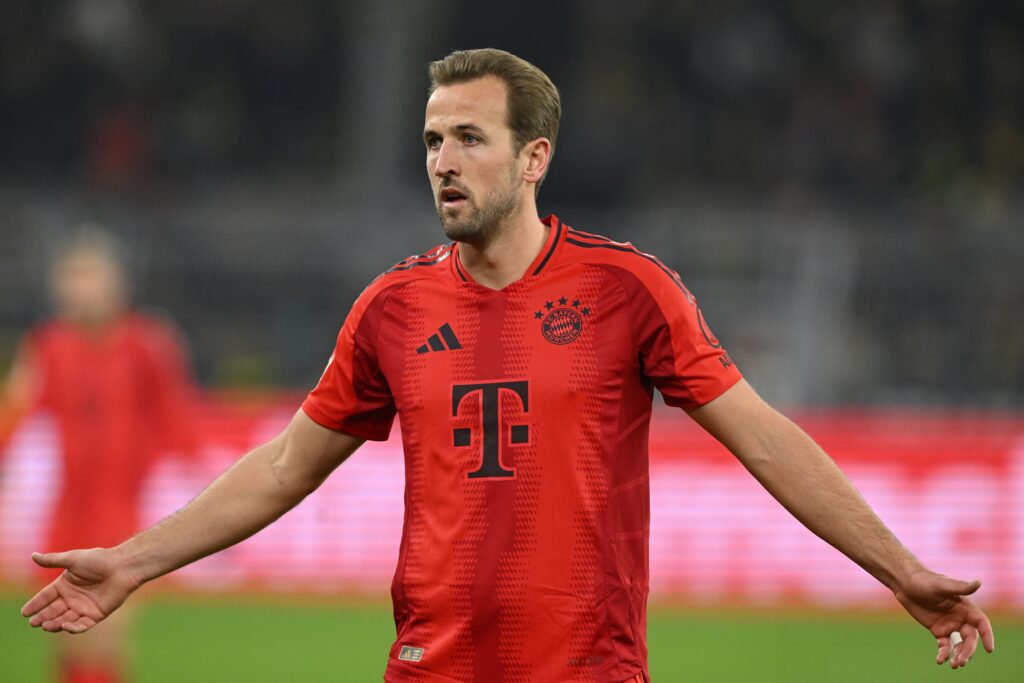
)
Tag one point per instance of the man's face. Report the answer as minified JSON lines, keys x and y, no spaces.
{"x":476,"y":177}
{"x":89,"y":287}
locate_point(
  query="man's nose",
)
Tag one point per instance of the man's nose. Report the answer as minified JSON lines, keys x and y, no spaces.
{"x":445,"y":162}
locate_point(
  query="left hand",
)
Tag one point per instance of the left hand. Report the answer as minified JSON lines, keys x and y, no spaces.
{"x":92,"y":586}
{"x":941,"y":605}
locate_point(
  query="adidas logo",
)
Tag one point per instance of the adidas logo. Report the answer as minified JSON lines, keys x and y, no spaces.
{"x":435,"y":343}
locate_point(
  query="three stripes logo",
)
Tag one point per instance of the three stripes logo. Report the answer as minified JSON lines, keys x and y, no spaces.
{"x":434,"y":343}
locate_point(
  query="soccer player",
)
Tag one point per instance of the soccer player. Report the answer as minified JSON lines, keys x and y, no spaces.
{"x":116,"y":384}
{"x":521,"y":360}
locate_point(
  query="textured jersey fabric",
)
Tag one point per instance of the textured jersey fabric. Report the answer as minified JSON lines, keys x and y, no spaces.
{"x":118,"y":398}
{"x":524,"y":415}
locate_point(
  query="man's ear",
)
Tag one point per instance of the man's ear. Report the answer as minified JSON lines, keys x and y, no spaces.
{"x":538,"y":156}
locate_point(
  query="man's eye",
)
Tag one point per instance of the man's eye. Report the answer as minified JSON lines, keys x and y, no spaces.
{"x":433,"y":143}
{"x":471,"y":139}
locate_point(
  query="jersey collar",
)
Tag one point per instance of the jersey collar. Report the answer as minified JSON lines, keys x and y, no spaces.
{"x":543,"y":261}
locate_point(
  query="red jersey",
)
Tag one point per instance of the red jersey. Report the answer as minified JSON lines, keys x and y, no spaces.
{"x":524,"y":415}
{"x":117,"y":398}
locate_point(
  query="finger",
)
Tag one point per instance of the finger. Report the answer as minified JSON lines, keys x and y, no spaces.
{"x":53,"y":626}
{"x":57,"y":623}
{"x":81,"y":625}
{"x":988,"y":636}
{"x":944,"y":650}
{"x":965,"y":651}
{"x":62,"y":560}
{"x":51,"y":611}
{"x":954,"y":588}
{"x":40,"y":600}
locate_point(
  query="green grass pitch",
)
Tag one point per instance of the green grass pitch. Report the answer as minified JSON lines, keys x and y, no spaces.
{"x":259,"y":639}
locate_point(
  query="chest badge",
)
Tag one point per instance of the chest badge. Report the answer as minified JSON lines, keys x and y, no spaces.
{"x":562,"y":320}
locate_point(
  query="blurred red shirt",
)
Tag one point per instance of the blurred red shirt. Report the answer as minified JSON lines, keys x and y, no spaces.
{"x":119,"y":398}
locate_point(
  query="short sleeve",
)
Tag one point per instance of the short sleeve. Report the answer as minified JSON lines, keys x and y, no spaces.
{"x":677,"y":351}
{"x":353,"y":395}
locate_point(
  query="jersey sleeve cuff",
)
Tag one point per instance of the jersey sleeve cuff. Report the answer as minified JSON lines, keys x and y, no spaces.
{"x":359,"y":431}
{"x":709,"y":392}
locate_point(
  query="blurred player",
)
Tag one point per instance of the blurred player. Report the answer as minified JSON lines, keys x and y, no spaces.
{"x":116,"y":384}
{"x":521,"y":360}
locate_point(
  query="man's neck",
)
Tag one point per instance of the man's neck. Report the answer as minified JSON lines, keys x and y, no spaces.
{"x":95,"y":327}
{"x":505,"y":258}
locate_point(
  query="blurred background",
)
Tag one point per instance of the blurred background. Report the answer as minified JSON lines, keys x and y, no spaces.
{"x":841,"y":185}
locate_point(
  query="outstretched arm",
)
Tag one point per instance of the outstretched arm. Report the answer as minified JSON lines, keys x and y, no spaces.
{"x":251,"y":494}
{"x":805,"y":480}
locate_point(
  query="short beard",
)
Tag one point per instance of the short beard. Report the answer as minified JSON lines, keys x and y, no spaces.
{"x":482,"y":224}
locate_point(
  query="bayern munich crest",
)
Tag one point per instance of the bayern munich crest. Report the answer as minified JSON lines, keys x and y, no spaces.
{"x":562,"y":321}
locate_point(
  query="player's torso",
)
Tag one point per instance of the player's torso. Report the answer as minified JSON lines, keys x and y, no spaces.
{"x":510,"y":404}
{"x":100,"y":391}
{"x":481,"y":373}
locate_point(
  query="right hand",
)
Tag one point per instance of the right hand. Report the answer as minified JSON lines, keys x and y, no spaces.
{"x":90,"y":589}
{"x":941,"y":605}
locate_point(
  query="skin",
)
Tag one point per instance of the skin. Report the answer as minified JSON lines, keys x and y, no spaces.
{"x":807,"y":482}
{"x":469,"y":147}
{"x":89,"y":287}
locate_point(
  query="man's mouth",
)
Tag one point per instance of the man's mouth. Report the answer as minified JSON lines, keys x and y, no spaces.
{"x":450,"y":197}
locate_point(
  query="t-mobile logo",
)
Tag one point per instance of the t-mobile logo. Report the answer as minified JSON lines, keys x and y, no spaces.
{"x":490,"y":408}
